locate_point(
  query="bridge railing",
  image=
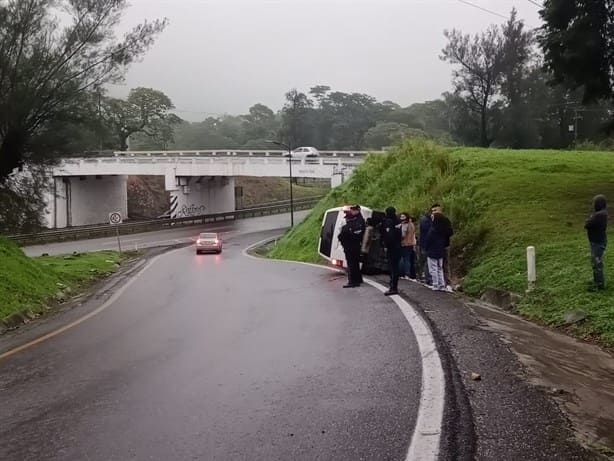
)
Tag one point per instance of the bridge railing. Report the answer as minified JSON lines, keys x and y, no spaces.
{"x":219,"y":153}
{"x":106,"y":230}
{"x":322,"y":165}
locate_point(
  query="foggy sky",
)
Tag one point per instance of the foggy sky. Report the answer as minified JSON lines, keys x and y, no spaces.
{"x":223,"y":56}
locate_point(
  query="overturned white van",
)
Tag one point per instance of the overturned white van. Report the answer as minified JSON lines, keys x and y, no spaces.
{"x":330,"y":248}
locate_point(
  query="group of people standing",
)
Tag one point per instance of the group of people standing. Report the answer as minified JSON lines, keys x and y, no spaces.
{"x":424,"y":253}
{"x":411,"y":253}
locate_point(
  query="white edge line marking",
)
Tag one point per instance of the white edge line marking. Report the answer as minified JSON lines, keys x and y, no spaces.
{"x":95,"y":312}
{"x":424,"y":445}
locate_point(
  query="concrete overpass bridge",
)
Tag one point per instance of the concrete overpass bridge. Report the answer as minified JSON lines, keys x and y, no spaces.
{"x":86,"y":189}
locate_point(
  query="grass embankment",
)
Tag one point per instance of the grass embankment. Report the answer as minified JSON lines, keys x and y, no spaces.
{"x":264,"y":190}
{"x":500,"y":201}
{"x":30,"y":283}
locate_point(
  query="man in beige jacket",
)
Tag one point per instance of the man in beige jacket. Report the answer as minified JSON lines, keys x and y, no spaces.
{"x":408,"y":247}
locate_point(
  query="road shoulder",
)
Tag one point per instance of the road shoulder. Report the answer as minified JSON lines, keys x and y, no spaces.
{"x":512,"y":419}
{"x":79,"y":306}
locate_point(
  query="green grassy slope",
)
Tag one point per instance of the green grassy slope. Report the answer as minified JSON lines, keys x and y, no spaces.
{"x":499,"y":201}
{"x":257,"y":191}
{"x":542,"y":198}
{"x":27,"y":283}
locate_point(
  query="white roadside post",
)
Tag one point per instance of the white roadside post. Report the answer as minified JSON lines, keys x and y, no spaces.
{"x":115,"y":219}
{"x":531,"y":275}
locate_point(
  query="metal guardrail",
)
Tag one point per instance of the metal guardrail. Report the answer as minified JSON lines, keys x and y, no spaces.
{"x":315,"y":198}
{"x":106,"y":230}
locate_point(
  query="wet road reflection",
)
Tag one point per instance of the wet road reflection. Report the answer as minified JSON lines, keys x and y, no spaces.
{"x":580,"y":375}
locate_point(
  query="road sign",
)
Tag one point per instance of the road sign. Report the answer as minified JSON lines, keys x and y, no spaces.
{"x":115,"y":218}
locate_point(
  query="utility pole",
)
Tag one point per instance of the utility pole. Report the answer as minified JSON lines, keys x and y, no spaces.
{"x":99,"y":120}
{"x":289,"y":149}
{"x":576,"y":118}
{"x":575,"y":127}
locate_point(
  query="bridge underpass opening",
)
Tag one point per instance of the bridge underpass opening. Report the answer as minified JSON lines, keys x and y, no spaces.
{"x":83,"y":200}
{"x":199,"y":195}
{"x":86,"y":200}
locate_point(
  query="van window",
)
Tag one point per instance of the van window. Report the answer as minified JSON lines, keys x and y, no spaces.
{"x":326,"y":234}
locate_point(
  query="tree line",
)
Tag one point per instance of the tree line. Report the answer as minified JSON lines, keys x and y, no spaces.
{"x":322,"y":118}
{"x":511,"y":87}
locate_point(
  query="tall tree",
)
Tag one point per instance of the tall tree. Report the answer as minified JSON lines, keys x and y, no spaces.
{"x":479,"y":60}
{"x":259,"y":122}
{"x":47,"y":65}
{"x":352,"y":114}
{"x":463,"y":124}
{"x":160,"y":133}
{"x":517,"y":53}
{"x":322,"y":121}
{"x":297,"y":120}
{"x":578,"y":42}
{"x":319,"y":93}
{"x":144,"y":111}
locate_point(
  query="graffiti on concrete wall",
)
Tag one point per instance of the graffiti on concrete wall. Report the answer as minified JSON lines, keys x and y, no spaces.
{"x":187,"y":211}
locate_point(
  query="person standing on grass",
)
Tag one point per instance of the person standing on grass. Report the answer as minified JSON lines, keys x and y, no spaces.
{"x":448,"y":232}
{"x":350,"y":236}
{"x":596,"y":227}
{"x":408,"y":246}
{"x":435,"y":246}
{"x":426,"y":221}
{"x":391,"y":238}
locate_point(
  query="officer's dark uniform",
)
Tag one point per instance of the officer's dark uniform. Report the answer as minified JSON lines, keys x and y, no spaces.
{"x":350,"y":237}
{"x":391,"y":237}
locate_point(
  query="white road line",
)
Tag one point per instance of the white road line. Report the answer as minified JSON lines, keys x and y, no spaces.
{"x":425,"y":441}
{"x":424,"y":444}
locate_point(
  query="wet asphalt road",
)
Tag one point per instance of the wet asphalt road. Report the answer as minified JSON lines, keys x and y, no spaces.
{"x":219,"y":357}
{"x":167,"y":237}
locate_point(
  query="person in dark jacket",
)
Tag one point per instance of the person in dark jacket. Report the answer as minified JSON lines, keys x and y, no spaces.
{"x":351,"y":236}
{"x":596,"y":227}
{"x":446,"y":226}
{"x":426,"y":222}
{"x":435,"y":246}
{"x":390,"y":232}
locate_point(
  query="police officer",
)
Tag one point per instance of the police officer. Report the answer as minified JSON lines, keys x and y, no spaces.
{"x":350,"y":236}
{"x":390,"y":230}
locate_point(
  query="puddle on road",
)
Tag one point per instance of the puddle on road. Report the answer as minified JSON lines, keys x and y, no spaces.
{"x":583,"y":372}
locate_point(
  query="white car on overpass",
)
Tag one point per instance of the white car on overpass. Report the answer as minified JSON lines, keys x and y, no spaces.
{"x":303,"y":152}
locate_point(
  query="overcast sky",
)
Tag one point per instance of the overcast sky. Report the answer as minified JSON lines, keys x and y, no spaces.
{"x":223,"y":56}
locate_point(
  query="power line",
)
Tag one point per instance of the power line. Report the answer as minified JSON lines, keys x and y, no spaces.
{"x":483,"y":9}
{"x":535,"y":3}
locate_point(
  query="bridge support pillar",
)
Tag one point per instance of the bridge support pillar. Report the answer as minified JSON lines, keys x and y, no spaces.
{"x":83,"y":200}
{"x":198,"y":195}
{"x":340,"y":175}
{"x":337,"y":179}
{"x":57,"y":212}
